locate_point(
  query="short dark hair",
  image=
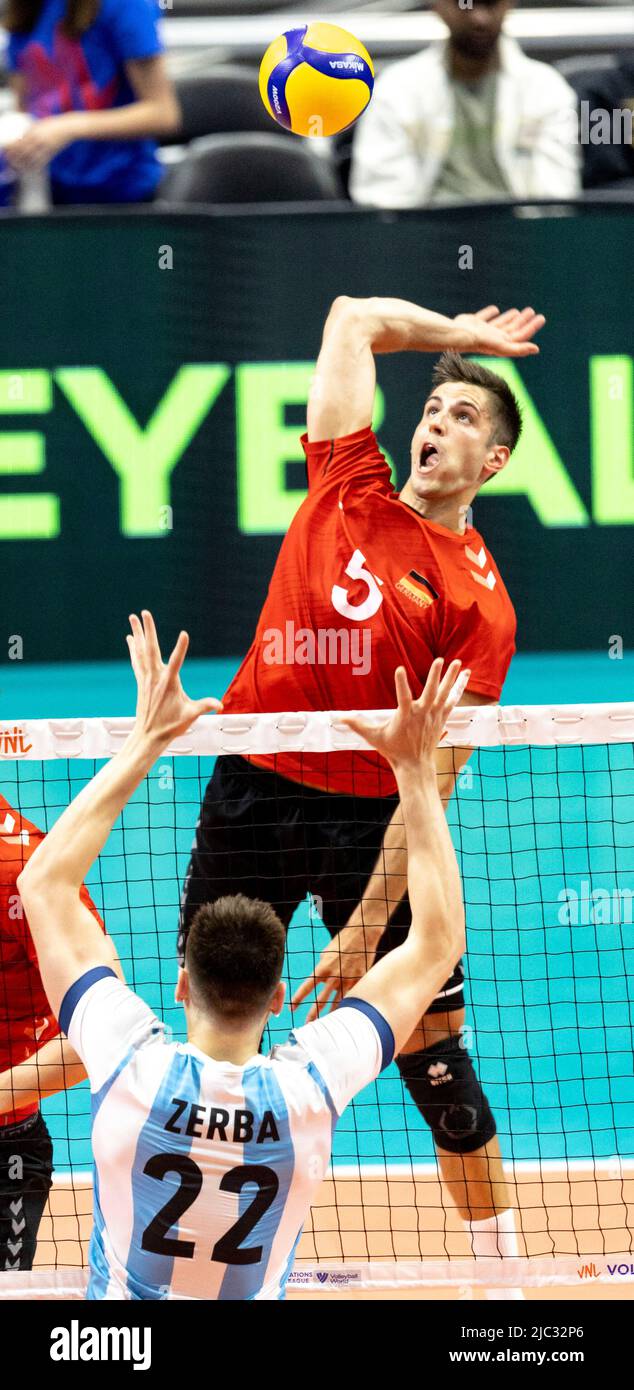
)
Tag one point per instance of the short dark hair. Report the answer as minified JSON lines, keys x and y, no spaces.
{"x":234,"y":956}
{"x":507,"y":416}
{"x":21,"y":16}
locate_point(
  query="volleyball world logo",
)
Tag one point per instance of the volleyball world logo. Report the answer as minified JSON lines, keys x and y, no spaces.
{"x":317,"y":80}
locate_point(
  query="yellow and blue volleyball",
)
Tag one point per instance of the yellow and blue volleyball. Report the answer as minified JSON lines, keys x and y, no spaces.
{"x":316,"y":80}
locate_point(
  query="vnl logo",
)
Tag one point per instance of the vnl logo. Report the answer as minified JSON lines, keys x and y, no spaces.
{"x":13,"y":742}
{"x":619,"y":1271}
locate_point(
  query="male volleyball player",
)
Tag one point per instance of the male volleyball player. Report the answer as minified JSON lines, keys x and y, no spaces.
{"x":366,"y":580}
{"x":34,"y":1060}
{"x":208,"y":1155}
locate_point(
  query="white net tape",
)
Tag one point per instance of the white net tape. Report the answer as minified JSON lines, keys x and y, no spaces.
{"x":321,"y":732}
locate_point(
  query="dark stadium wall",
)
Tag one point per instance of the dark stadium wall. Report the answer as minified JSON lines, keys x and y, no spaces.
{"x":150,"y":451}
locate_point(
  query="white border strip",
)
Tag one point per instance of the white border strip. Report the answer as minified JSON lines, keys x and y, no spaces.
{"x":253,"y":33}
{"x":489,"y":726}
{"x":538,"y":1272}
{"x":610,"y":1168}
{"x":343,"y":1277}
{"x":44,"y":1284}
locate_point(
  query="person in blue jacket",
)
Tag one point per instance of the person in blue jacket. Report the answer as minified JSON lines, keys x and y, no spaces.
{"x":93,"y":75}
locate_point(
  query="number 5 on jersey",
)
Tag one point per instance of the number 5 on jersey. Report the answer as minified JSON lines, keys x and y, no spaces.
{"x":368,"y":606}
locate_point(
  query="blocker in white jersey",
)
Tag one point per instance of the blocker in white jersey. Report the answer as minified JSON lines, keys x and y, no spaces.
{"x":205,"y":1171}
{"x":208,"y":1155}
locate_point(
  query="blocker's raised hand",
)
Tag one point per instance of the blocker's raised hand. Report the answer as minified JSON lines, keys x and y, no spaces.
{"x":416,"y":727}
{"x":163,"y":708}
{"x":501,"y":335}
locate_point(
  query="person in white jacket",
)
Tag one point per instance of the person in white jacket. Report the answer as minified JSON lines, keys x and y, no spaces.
{"x":470,"y":118}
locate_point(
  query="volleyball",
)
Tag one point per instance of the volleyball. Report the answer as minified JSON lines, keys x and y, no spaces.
{"x":316,"y":80}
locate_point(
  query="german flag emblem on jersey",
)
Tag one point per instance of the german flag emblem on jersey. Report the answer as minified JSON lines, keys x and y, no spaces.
{"x":418,"y":589}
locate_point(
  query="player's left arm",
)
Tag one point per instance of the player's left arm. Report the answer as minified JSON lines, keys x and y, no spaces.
{"x":352,"y":952}
{"x":67,"y":938}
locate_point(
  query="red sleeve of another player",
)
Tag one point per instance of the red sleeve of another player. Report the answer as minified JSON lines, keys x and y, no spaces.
{"x":17,"y":849}
{"x":333,"y":461}
{"x":14,"y":922}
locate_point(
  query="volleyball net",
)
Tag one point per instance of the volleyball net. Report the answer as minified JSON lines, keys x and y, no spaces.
{"x":542,"y":819}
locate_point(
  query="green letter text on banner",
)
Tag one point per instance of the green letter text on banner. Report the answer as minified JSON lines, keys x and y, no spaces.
{"x":536,"y":469}
{"x":143,"y":459}
{"x":266,"y":444}
{"x":26,"y":516}
{"x":611,"y":397}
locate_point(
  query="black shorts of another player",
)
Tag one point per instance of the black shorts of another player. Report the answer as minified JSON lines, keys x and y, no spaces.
{"x":26,"y":1174}
{"x":269,"y":838}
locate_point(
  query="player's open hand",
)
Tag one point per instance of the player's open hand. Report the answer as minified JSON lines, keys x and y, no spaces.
{"x":500,"y":335}
{"x":341,"y":965}
{"x":163,"y":709}
{"x":416,"y":727}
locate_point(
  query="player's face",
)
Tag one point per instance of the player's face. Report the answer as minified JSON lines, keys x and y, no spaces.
{"x":475,"y":29}
{"x":451,"y":445}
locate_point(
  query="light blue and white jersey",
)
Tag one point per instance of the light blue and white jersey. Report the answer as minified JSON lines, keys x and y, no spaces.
{"x":205,"y":1172}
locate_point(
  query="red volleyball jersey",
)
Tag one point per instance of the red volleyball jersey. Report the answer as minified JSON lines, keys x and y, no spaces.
{"x":26,"y":1020}
{"x":363,"y":584}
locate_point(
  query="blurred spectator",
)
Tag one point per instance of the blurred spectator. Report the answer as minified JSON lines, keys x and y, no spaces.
{"x":472,"y":117}
{"x":92,"y":74}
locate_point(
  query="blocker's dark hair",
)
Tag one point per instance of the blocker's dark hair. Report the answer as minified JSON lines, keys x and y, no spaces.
{"x":21,"y":16}
{"x":234,"y":956}
{"x":507,"y":417}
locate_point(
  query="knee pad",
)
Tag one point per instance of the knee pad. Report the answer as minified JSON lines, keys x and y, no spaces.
{"x":444,"y":1086}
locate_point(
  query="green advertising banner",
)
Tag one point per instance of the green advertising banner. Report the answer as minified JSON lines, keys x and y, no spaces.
{"x":153,"y":381}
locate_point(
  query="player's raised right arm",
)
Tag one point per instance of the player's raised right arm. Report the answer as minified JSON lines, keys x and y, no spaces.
{"x":341,"y":397}
{"x":404,"y":983}
{"x":342,"y":392}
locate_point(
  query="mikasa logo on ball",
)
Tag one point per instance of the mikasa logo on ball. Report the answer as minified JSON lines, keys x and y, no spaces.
{"x":346,"y":63}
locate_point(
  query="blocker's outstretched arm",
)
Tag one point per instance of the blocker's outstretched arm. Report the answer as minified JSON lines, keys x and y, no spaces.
{"x":352,"y":951}
{"x":67,"y":939}
{"x":404,"y":983}
{"x":388,"y":881}
{"x":341,"y":398}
